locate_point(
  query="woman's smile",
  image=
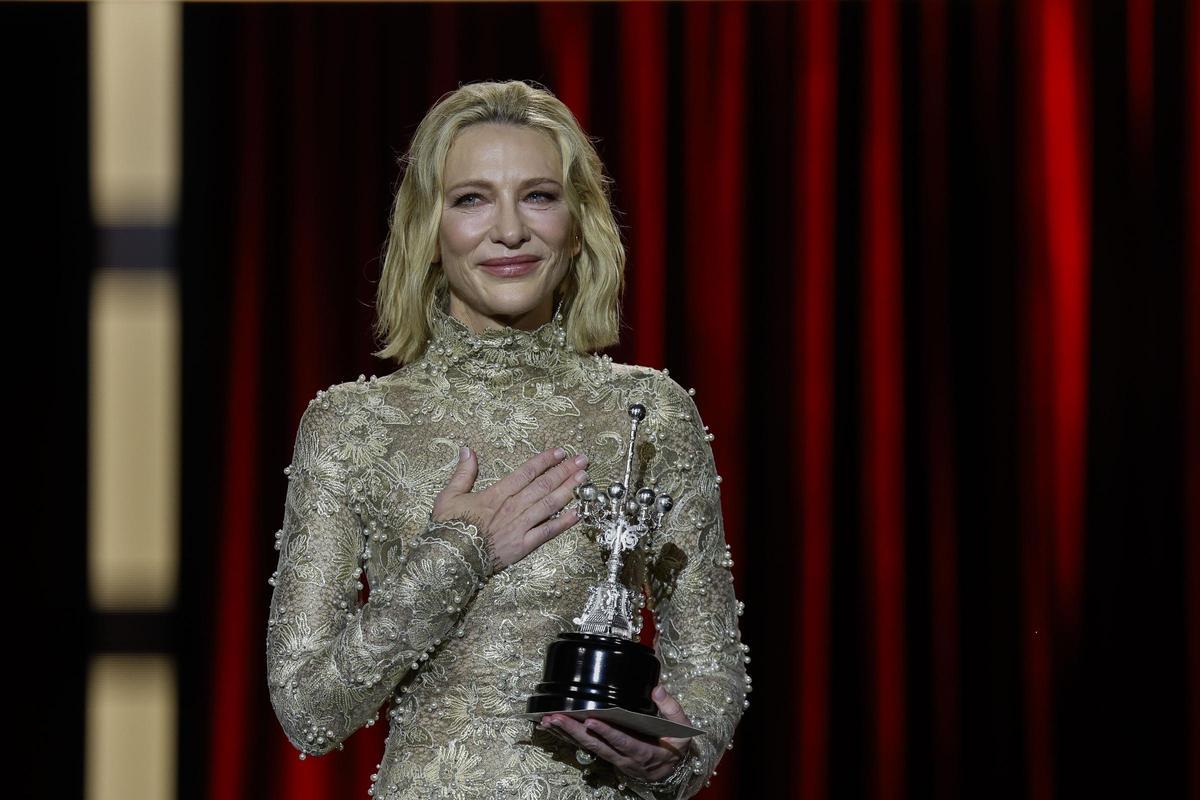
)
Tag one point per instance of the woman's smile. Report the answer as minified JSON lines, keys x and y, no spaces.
{"x":512,"y":267}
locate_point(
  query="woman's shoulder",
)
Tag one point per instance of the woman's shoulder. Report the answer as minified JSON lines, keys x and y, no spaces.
{"x":660,"y":380}
{"x":672,"y":421}
{"x":347,"y":391}
{"x":353,"y":396}
{"x":671,"y":401}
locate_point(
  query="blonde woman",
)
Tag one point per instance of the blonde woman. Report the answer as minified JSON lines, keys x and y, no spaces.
{"x":446,"y":488}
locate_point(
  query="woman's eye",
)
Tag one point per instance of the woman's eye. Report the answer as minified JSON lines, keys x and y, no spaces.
{"x":473,"y":198}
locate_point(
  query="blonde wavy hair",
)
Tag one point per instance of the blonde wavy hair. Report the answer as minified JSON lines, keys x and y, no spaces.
{"x":411,"y":284}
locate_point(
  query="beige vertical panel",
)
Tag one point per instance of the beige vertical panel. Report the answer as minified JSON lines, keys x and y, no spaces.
{"x":135,"y":110}
{"x":133,"y":428}
{"x":131,"y":728}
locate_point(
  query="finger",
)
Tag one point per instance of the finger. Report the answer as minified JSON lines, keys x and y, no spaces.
{"x":463,"y":478}
{"x":584,"y":739}
{"x":540,"y":489}
{"x":629,"y":746}
{"x":542,"y":508}
{"x":669,"y":706}
{"x":525,"y":474}
{"x":552,"y":724}
{"x":552,"y":527}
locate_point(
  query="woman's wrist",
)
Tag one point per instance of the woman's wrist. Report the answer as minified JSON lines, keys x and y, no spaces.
{"x":673,"y":780}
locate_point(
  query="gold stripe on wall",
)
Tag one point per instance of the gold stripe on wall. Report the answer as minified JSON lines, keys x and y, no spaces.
{"x":133,"y":427}
{"x":130,"y":728}
{"x":135,"y":74}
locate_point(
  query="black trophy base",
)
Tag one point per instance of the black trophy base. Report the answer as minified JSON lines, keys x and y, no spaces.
{"x":586,"y":671}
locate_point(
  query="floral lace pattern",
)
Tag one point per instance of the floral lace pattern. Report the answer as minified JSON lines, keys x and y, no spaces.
{"x":376,"y":604}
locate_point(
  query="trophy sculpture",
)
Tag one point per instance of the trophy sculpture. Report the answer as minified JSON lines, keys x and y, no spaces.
{"x":601,"y":670}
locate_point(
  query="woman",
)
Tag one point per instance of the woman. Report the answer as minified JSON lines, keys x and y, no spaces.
{"x":448,"y":485}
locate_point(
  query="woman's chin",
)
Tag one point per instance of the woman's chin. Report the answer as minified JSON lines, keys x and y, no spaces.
{"x":510,"y":308}
{"x":509,"y":300}
{"x":515,"y":300}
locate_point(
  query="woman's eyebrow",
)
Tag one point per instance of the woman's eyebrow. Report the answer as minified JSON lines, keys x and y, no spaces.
{"x":490,"y":185}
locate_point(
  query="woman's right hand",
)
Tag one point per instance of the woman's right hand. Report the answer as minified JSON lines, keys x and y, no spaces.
{"x":515,"y":514}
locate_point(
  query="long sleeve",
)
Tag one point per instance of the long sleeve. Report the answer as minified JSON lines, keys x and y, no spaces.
{"x":332,"y":661}
{"x":698,"y":639}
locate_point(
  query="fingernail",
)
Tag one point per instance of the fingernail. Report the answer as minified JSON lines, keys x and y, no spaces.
{"x":559,"y":452}
{"x":463,"y":453}
{"x":581,"y":476}
{"x":659,"y":693}
{"x":581,"y":460}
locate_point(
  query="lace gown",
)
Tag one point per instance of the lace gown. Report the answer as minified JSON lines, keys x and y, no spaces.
{"x":452,"y":650}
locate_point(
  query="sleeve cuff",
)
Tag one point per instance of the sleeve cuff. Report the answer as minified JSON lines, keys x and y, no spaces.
{"x":465,"y":537}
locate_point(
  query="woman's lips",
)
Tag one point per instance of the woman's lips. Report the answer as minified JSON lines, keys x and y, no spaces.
{"x":510,"y":267}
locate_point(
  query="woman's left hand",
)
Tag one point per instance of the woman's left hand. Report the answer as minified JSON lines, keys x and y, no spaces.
{"x":638,"y":756}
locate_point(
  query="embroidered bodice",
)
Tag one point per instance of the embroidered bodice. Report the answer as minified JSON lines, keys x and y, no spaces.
{"x":375,"y":604}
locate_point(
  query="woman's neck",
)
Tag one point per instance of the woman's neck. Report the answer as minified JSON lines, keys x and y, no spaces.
{"x":478,"y":322}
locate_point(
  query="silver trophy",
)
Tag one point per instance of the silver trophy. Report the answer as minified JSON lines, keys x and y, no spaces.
{"x":624,"y":522}
{"x":602,"y":670}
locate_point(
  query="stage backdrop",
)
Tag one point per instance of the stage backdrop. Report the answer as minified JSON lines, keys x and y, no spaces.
{"x":927,"y":266}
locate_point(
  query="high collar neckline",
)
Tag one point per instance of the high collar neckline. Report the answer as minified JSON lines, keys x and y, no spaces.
{"x":452,"y":341}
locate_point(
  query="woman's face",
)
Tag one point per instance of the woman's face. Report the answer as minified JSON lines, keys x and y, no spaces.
{"x":506,"y":237}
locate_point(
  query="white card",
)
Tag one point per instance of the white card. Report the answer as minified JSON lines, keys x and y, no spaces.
{"x":642,"y":723}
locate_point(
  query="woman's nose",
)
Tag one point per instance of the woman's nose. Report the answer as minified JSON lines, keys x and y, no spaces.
{"x":509,"y":228}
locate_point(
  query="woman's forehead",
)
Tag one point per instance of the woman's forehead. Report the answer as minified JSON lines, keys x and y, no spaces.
{"x":500,"y":152}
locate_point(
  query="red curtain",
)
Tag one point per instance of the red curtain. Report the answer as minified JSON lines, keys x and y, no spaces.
{"x":934,"y":272}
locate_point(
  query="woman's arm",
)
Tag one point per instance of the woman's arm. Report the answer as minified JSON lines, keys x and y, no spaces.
{"x":331,"y":660}
{"x":698,"y":642}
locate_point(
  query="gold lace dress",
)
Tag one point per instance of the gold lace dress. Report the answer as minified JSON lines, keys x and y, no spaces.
{"x":452,"y":649}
